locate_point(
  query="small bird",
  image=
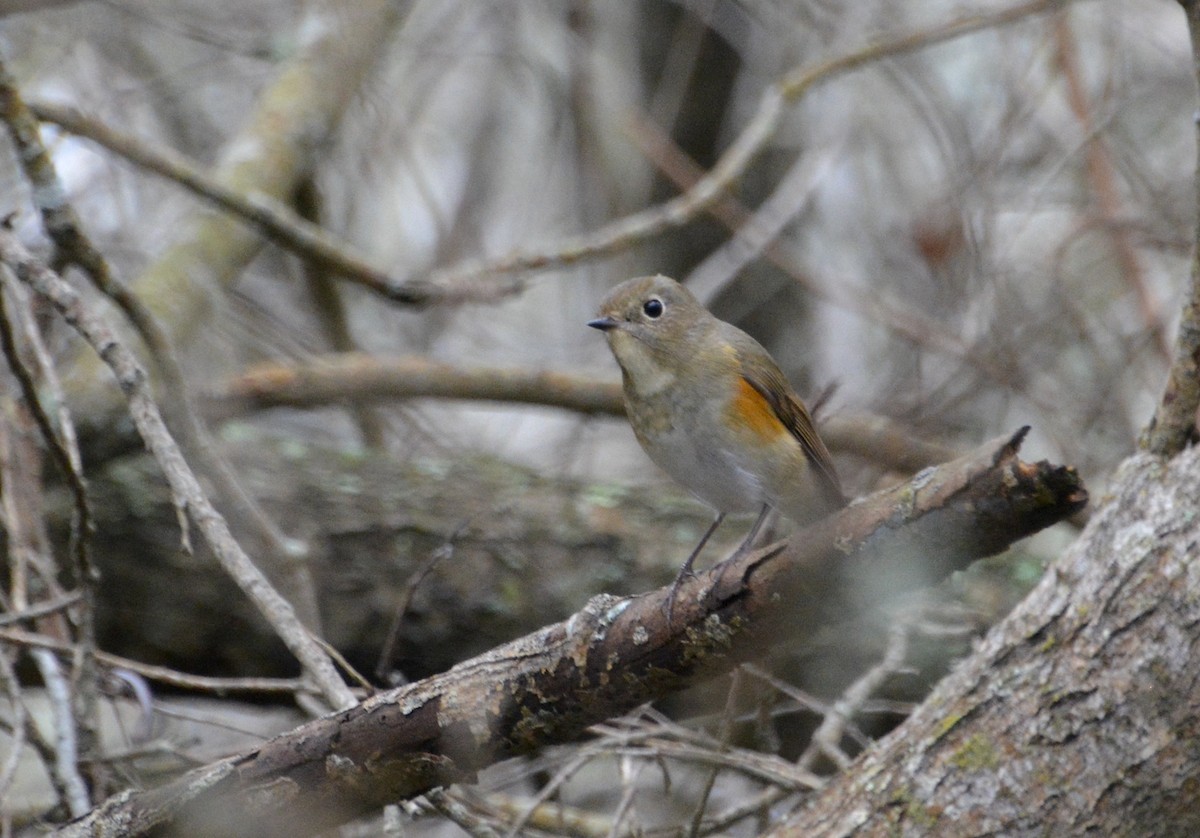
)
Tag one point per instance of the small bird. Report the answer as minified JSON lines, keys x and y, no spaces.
{"x":712,"y":409}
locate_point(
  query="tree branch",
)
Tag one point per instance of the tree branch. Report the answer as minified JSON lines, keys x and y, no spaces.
{"x":359,"y":378}
{"x":614,"y":655}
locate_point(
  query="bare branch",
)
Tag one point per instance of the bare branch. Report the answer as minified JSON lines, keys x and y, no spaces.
{"x":161,"y":674}
{"x":66,"y":742}
{"x":359,"y":378}
{"x":613,"y":656}
{"x":268,"y":215}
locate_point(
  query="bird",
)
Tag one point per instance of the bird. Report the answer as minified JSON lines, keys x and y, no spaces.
{"x":712,"y":408}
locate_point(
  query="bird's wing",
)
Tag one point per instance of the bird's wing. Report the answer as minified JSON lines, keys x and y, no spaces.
{"x":770,"y":383}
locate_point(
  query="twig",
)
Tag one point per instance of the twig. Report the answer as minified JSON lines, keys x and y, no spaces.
{"x":161,"y":674}
{"x":66,"y":751}
{"x":332,"y":315}
{"x":1174,"y":421}
{"x":61,"y":442}
{"x":723,"y":736}
{"x":58,"y":216}
{"x":1103,"y":181}
{"x":273,"y":218}
{"x":826,"y":740}
{"x":443,"y":551}
{"x":763,"y":767}
{"x":756,"y":233}
{"x":42,"y":609}
{"x":131,"y":377}
{"x":459,"y":811}
{"x":580,"y":757}
{"x":631,"y":771}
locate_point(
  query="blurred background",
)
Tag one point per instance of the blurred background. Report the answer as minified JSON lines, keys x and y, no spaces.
{"x":963,"y":238}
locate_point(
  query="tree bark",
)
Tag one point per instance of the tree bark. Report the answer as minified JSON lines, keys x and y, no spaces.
{"x":1080,"y":712}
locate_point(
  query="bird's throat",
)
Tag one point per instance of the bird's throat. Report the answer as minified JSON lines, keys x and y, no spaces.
{"x":643,"y":369}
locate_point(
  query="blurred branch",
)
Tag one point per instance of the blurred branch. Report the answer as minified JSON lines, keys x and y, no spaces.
{"x":1174,"y":421}
{"x":66,"y":741}
{"x":59,"y":440}
{"x":611,"y":657}
{"x":72,"y":246}
{"x":13,"y":7}
{"x":478,"y":279}
{"x":189,"y":495}
{"x":756,"y":234}
{"x":161,"y":674}
{"x":295,"y":115}
{"x":266,"y":213}
{"x":357,"y":378}
{"x":1103,"y":181}
{"x":332,"y":314}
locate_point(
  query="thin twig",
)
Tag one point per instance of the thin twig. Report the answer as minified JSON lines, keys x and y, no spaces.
{"x":62,"y":224}
{"x":131,"y":377}
{"x":443,"y":551}
{"x":274,"y":219}
{"x":61,"y":441}
{"x":826,"y":740}
{"x":161,"y":674}
{"x":723,"y":736}
{"x":333,"y":316}
{"x":66,"y":748}
{"x":1102,"y":178}
{"x":42,"y":609}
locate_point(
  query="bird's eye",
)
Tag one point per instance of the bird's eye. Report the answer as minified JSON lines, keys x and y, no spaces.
{"x":653,"y":308}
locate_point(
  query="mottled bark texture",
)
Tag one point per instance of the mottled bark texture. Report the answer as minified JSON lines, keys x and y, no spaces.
{"x":1079,"y":714}
{"x":610,"y":658}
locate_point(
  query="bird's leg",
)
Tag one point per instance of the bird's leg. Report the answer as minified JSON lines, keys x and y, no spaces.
{"x":686,"y":570}
{"x":748,"y":543}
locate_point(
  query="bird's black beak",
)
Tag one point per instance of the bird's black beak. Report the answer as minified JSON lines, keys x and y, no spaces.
{"x":604,"y":324}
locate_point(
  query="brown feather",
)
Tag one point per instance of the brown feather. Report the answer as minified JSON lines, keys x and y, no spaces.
{"x":771,"y":384}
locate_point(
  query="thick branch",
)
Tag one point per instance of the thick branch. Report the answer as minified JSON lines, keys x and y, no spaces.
{"x":611,"y":657}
